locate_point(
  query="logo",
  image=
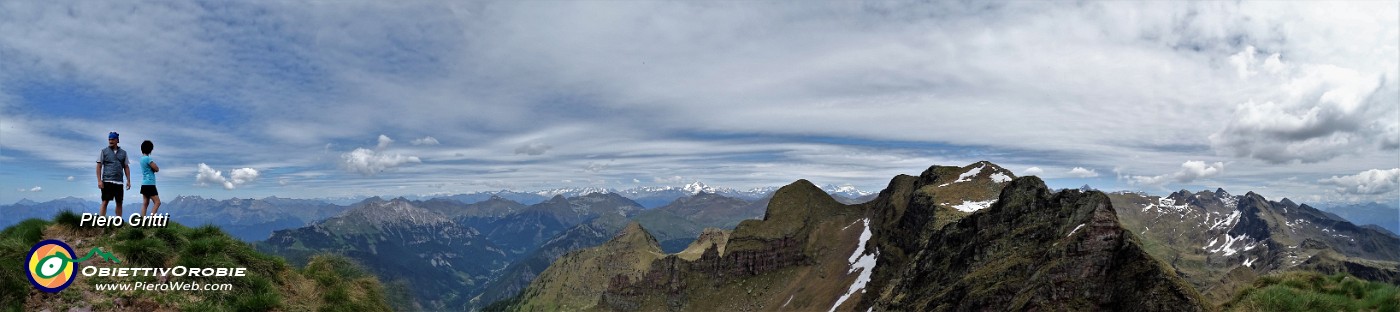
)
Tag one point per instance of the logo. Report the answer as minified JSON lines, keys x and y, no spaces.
{"x":51,"y":265}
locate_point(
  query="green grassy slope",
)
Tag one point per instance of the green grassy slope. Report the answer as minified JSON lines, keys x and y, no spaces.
{"x":327,"y":283}
{"x":1311,"y":291}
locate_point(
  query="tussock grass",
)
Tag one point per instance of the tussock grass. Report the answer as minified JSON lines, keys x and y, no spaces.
{"x":28,"y":231}
{"x":1311,"y":291}
{"x":67,"y":218}
{"x":13,"y":284}
{"x":345,"y":285}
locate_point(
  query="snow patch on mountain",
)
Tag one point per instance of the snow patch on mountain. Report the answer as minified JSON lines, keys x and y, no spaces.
{"x":967,"y":176}
{"x":1076,"y":229}
{"x":862,"y":261}
{"x":970,"y":206}
{"x":572,"y":192}
{"x":1000,"y":177}
{"x":1228,"y":221}
{"x":1230,"y":240}
{"x":1229,"y":201}
{"x":1165,"y":202}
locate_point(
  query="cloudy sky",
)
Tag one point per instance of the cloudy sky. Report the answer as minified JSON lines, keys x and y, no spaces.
{"x":324,"y":99}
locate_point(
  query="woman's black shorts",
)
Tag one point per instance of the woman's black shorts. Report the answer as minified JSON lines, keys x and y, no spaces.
{"x":149,"y":190}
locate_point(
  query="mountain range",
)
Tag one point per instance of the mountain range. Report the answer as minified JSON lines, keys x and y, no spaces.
{"x":28,"y":209}
{"x":249,"y":219}
{"x":401,"y":243}
{"x":647,"y":196}
{"x":1385,"y":216}
{"x":253,"y":219}
{"x":951,"y":238}
{"x":1222,"y":242}
{"x":969,"y":238}
{"x":489,"y":249}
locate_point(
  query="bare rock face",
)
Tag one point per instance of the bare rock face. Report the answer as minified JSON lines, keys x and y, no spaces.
{"x":774,"y":254}
{"x":1036,"y":251}
{"x":754,"y":248}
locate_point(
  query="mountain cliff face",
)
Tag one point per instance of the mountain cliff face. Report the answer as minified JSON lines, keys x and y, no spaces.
{"x":1034,"y":250}
{"x":711,"y":238}
{"x":804,"y":231}
{"x":919,"y":245}
{"x":1222,"y":242}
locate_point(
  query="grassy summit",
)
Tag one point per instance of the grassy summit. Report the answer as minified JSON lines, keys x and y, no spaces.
{"x":327,"y":283}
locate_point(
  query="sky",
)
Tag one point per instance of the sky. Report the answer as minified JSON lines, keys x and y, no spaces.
{"x":351,"y":98}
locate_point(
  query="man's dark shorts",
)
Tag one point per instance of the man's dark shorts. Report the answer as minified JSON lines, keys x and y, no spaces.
{"x":148,"y":191}
{"x":111,"y":191}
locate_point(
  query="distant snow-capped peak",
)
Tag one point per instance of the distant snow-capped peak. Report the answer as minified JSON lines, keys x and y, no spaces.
{"x":573,"y":191}
{"x":846,"y":190}
{"x":697,"y":187}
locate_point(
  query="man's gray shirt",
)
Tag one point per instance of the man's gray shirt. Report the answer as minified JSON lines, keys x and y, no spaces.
{"x":112,"y":164}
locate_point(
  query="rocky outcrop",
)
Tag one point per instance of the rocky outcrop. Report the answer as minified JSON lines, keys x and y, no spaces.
{"x":1034,"y":250}
{"x":1329,"y":262}
{"x":576,"y":280}
{"x":710,"y":238}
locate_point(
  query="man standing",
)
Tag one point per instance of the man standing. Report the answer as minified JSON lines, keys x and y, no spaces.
{"x":111,"y":166}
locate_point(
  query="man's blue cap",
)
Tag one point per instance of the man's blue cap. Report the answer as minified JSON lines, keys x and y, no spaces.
{"x":112,"y":135}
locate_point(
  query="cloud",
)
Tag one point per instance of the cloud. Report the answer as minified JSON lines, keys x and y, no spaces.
{"x":238,"y":177}
{"x":1149,"y":79}
{"x":1189,"y":172}
{"x":1080,"y":172}
{"x":242,"y":175}
{"x":596,"y":167}
{"x":532,"y":149}
{"x":1033,"y":171}
{"x":1195,"y":169}
{"x":1369,"y":182}
{"x":369,"y":162}
{"x":670,"y":179}
{"x":1313,"y":113}
{"x":494,"y":184}
{"x":70,"y":179}
{"x":384,"y":142}
{"x":34,"y":189}
{"x":427,"y":140}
